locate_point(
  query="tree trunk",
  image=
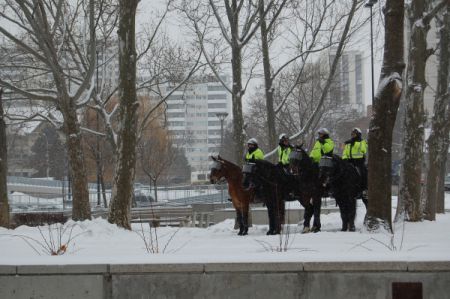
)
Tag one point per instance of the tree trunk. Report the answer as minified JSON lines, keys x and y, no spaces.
{"x":156,"y":190}
{"x":385,"y":107}
{"x":81,"y":209}
{"x":271,"y":130}
{"x":102,"y":182}
{"x":238,"y":119}
{"x":438,"y":140}
{"x":440,"y":200}
{"x":4,"y":205}
{"x":122,"y":192}
{"x":414,"y":122}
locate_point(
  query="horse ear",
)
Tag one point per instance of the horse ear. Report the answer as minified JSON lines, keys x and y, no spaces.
{"x":213,"y":158}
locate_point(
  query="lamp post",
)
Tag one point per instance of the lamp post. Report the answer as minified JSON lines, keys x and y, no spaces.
{"x":221,"y":116}
{"x":370,"y":4}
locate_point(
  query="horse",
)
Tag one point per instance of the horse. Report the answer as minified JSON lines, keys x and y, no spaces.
{"x":344,"y":182}
{"x":307,"y":189}
{"x":241,"y":198}
{"x":272,"y":181}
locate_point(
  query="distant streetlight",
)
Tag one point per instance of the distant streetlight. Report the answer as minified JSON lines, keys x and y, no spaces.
{"x":370,"y":4}
{"x":221,"y":116}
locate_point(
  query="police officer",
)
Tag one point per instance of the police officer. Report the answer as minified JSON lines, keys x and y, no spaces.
{"x":323,"y":146}
{"x":355,"y":151}
{"x":283,"y":150}
{"x":253,"y":151}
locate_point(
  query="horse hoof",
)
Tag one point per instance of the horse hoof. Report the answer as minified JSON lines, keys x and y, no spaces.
{"x":270,"y":232}
{"x":315,"y":229}
{"x":352,"y":229}
{"x":306,"y":230}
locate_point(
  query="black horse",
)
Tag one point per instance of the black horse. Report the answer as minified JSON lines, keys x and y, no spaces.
{"x":307,"y":188}
{"x":271,"y":182}
{"x":344,"y":183}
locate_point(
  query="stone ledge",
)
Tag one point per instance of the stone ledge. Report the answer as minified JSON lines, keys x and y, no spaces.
{"x":156,"y":268}
{"x":430,"y":266}
{"x":5,"y":269}
{"x":354,"y":266}
{"x":274,"y":267}
{"x":254,"y":267}
{"x":62,"y":269}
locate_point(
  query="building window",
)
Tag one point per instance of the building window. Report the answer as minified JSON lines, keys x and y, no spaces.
{"x":217,"y":105}
{"x":217,"y":97}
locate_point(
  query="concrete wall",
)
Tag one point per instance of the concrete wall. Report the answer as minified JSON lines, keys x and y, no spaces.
{"x":260,"y":216}
{"x":308,"y":280}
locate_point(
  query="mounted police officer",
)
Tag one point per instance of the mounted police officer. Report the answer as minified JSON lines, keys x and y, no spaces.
{"x":324,"y":145}
{"x":284,"y":150}
{"x":253,"y":151}
{"x":355,"y":151}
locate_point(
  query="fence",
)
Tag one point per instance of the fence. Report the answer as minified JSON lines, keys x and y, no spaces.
{"x":185,"y":195}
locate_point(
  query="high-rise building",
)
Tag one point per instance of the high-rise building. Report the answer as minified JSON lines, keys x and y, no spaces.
{"x":347,"y":89}
{"x":193,"y":122}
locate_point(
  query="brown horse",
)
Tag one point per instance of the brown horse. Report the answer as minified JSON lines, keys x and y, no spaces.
{"x":241,"y":198}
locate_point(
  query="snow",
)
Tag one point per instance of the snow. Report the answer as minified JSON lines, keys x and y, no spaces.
{"x":99,"y":242}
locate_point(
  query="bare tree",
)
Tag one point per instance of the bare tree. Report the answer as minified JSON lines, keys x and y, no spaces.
{"x":122,"y":193}
{"x":419,"y":18}
{"x":155,"y":155}
{"x":385,"y":107}
{"x":4,"y":205}
{"x":237,"y":30}
{"x":438,"y":141}
{"x":316,"y":28}
{"x":53,"y":44}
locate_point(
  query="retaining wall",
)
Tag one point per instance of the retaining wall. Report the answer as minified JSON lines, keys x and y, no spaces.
{"x":308,"y":280}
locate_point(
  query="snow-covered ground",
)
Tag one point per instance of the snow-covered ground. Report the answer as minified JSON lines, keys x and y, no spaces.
{"x":97,"y":241}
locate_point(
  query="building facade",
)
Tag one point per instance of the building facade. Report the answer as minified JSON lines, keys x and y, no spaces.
{"x":194,"y":124}
{"x":347,"y":90}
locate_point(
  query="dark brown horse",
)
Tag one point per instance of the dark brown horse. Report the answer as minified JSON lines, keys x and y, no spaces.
{"x":241,"y":198}
{"x":308,"y":189}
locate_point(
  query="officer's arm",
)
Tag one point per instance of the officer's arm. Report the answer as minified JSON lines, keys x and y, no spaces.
{"x":346,"y":154}
{"x":328,"y":146}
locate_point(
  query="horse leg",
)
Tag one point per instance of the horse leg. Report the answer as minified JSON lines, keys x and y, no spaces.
{"x":343,"y":211}
{"x":239,"y":221}
{"x":309,"y":210}
{"x":317,"y":205}
{"x":245,"y":220}
{"x":352,"y":214}
{"x":271,"y":214}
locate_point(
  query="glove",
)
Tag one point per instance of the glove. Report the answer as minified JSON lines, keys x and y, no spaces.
{"x":349,"y":141}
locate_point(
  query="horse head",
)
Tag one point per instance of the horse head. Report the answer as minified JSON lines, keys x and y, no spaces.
{"x":218,"y":171}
